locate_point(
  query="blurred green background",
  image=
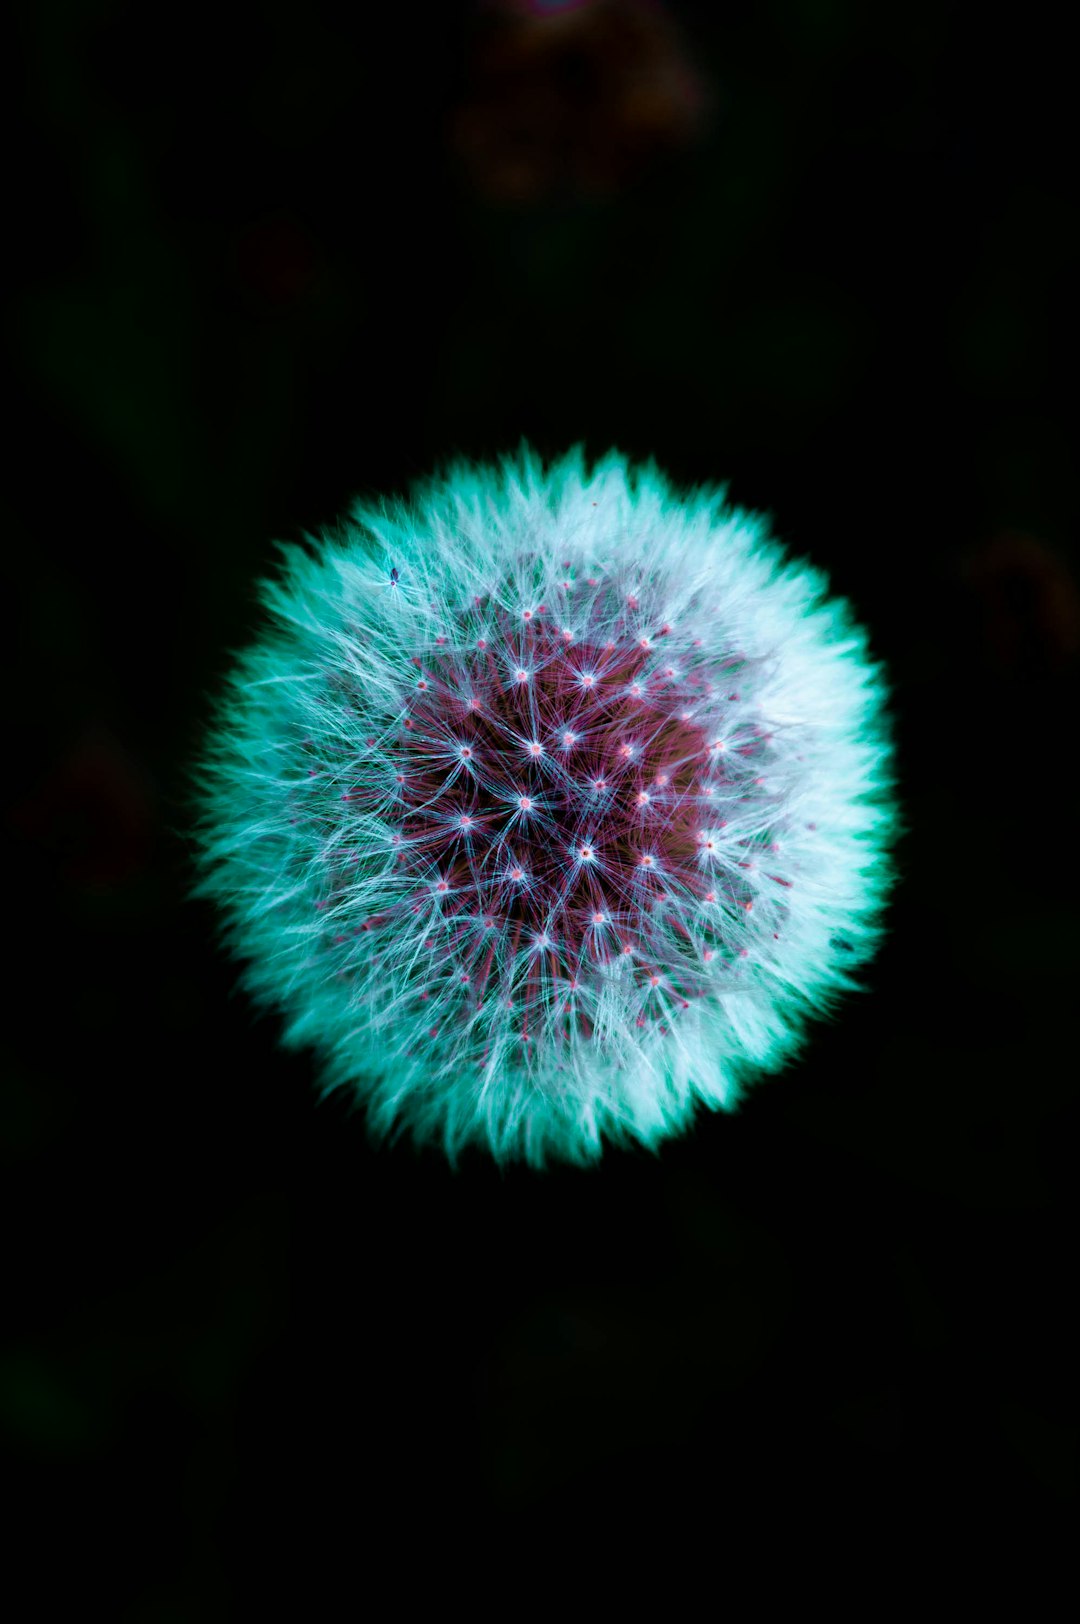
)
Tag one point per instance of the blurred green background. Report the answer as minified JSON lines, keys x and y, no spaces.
{"x":265,"y":259}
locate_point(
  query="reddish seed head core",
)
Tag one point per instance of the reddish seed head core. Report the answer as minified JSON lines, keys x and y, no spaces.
{"x":496,"y":694}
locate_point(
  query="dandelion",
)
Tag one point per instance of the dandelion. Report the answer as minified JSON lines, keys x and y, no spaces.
{"x":534,"y":869}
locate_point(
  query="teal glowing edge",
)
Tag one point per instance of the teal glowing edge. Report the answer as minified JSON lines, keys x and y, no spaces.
{"x":548,"y":804}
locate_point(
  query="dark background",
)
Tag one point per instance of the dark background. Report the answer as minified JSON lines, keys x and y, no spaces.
{"x":264,"y":261}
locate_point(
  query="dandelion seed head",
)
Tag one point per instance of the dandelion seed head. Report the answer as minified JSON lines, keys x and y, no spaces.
{"x":529,"y":886}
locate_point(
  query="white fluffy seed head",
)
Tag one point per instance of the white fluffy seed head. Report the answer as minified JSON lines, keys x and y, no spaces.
{"x":530,"y":890}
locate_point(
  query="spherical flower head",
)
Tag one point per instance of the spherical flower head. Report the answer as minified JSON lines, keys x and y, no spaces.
{"x":548,"y":804}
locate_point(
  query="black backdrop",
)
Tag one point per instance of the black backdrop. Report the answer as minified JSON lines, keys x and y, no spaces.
{"x":262,"y":261}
